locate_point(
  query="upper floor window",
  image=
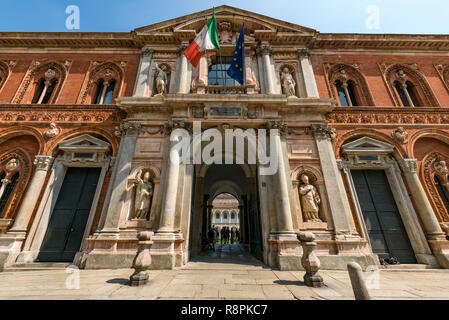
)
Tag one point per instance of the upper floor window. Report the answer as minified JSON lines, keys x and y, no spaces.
{"x":217,"y":215}
{"x":442,"y":191}
{"x":232,"y":215}
{"x":4,"y":71}
{"x":44,"y":91}
{"x":225,"y":215}
{"x":409,"y":88}
{"x":349,"y":86}
{"x":105,"y":91}
{"x":218,"y":75}
{"x":103,"y":84}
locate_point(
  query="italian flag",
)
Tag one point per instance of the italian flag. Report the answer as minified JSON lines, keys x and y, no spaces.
{"x":207,"y":39}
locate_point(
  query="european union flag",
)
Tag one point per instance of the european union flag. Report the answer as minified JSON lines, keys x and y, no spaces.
{"x":237,"y":68}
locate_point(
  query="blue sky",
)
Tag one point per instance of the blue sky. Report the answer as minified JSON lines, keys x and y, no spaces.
{"x":395,"y":16}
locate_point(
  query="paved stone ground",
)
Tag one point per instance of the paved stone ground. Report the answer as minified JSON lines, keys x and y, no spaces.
{"x":228,"y":273}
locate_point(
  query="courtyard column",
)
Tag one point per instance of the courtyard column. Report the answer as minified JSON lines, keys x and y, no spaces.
{"x":142,"y":86}
{"x":424,"y":208}
{"x":269,"y":73}
{"x":173,"y":163}
{"x":43,"y":164}
{"x":119,"y":177}
{"x":338,"y":201}
{"x":307,"y":73}
{"x":182,"y":71}
{"x":281,"y":193}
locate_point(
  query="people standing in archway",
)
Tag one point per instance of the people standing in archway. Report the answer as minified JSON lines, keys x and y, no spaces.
{"x":222,"y":233}
{"x":211,"y":238}
{"x":232,"y":235}
{"x":237,"y":235}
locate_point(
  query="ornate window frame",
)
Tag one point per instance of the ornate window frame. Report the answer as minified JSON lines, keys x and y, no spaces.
{"x":346,"y":73}
{"x":428,"y":173}
{"x":108,"y":72}
{"x":404,"y":74}
{"x":24,"y":170}
{"x":4,"y":73}
{"x":47,"y":71}
{"x":370,"y":154}
{"x":83,"y":143}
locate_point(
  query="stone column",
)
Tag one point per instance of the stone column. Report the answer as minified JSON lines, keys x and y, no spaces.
{"x":182,"y":72}
{"x":119,"y":180}
{"x":307,"y":73}
{"x":142,"y":86}
{"x":167,"y":219}
{"x":424,"y":208}
{"x":269,"y":72}
{"x":43,"y":164}
{"x":284,"y":213}
{"x":338,"y":201}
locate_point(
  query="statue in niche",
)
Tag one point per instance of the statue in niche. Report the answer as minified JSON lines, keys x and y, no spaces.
{"x":310,"y":200}
{"x":288,"y":83}
{"x":161,"y":79}
{"x":144,"y":194}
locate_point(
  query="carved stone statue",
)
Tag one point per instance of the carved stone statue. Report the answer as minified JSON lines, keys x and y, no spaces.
{"x":441,"y":171}
{"x":288,"y":83}
{"x":225,"y":32}
{"x":400,"y":134}
{"x":52,"y":132}
{"x":310,"y":200}
{"x":144,"y":195}
{"x":12,"y":165}
{"x":161,"y":79}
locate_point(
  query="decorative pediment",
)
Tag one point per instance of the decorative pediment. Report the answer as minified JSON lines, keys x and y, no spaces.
{"x":84,"y":143}
{"x":367,"y":145}
{"x":256,"y":26}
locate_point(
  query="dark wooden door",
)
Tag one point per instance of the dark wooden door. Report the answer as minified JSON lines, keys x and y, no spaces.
{"x":69,"y":217}
{"x":382,"y":218}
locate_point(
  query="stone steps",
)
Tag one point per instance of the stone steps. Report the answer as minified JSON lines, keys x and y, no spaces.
{"x":37,"y":266}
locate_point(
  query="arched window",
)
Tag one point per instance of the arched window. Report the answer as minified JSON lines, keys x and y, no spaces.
{"x":44,"y":91}
{"x":8,"y":187}
{"x":104,"y":92}
{"x":4,"y":71}
{"x":349,"y":86}
{"x":217,"y":215}
{"x":218,"y":75}
{"x":442,"y":191}
{"x":42,"y":84}
{"x":225,"y":215}
{"x":102,"y":86}
{"x":232,"y":215}
{"x":409,"y":88}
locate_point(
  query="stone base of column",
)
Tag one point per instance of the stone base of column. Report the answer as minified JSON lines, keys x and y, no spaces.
{"x":440,"y":249}
{"x":10,"y":246}
{"x":285,"y":253}
{"x":166,"y":251}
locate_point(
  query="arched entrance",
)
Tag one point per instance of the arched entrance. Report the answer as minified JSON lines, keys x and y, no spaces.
{"x":240,"y":182}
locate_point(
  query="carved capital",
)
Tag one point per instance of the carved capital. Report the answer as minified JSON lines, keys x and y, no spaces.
{"x":264,"y":49}
{"x":130,"y":129}
{"x":175,"y":124}
{"x":181,"y":49}
{"x":279,"y":125}
{"x":43,"y":163}
{"x":409,"y":165}
{"x":324,"y":132}
{"x":146,"y":52}
{"x":304,"y":52}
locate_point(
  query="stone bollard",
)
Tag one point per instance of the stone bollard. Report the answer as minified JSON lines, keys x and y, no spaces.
{"x":309,"y":260}
{"x":142,"y":261}
{"x":358,"y":282}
